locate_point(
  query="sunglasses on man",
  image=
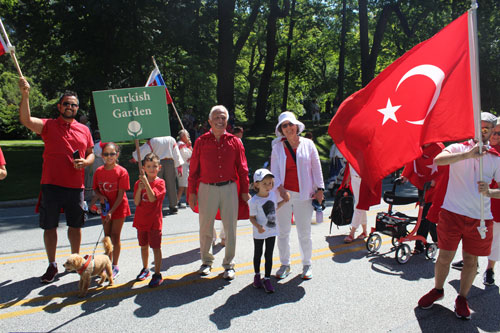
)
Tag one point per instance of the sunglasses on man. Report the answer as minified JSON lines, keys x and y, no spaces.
{"x":70,"y":104}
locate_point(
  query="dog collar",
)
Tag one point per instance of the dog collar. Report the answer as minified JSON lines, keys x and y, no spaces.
{"x":84,"y":267}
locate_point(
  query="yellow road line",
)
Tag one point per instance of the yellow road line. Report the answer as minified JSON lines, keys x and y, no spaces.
{"x":176,"y":278}
{"x":132,"y":245}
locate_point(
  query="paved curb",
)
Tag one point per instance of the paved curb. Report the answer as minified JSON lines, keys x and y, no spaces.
{"x":18,"y":203}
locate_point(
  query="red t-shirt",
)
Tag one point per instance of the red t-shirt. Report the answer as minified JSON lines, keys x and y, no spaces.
{"x":291,"y":175}
{"x":2,"y":159}
{"x":108,"y":182}
{"x":149,"y":215}
{"x":218,"y":161}
{"x":61,"y":140}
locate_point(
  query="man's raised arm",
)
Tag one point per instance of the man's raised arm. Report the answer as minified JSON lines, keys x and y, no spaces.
{"x":32,"y":123}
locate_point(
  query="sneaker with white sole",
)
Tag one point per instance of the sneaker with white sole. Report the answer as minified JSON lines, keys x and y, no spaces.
{"x":229,"y":274}
{"x":49,"y":275}
{"x":489,"y":277}
{"x":204,"y":270}
{"x":427,"y":301}
{"x":116,"y":271}
{"x":462,"y":310}
{"x":307,"y":273}
{"x":143,"y":274}
{"x":283,"y":272}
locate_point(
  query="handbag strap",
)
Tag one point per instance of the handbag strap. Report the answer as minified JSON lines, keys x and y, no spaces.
{"x":291,"y":151}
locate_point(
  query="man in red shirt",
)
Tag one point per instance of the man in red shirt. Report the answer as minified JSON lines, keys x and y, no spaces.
{"x":68,"y":150}
{"x":217,"y":163}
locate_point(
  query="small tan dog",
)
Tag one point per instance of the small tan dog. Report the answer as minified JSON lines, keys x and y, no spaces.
{"x":86,"y":267}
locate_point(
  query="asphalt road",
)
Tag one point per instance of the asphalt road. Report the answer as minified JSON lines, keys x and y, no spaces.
{"x":351,"y":290}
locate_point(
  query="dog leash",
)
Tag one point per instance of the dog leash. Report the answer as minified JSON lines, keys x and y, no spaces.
{"x":97,"y":243}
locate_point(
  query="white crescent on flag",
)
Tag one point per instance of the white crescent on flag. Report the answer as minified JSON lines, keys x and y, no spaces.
{"x":432,"y":72}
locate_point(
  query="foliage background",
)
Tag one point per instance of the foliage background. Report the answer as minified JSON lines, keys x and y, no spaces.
{"x":102,"y":44}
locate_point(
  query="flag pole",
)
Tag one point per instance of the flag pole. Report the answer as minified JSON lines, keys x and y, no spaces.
{"x":12,"y":49}
{"x":173,"y":105}
{"x":476,"y":99}
{"x":139,"y":159}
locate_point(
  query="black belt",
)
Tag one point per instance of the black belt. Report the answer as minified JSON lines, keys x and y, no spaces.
{"x":221,"y":183}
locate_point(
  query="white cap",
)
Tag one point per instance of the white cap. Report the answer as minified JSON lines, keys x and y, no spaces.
{"x":261,"y":174}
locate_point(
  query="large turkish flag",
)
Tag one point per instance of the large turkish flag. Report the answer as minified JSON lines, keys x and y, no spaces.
{"x":425,"y":96}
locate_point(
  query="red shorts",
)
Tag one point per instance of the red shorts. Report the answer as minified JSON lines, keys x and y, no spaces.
{"x":149,"y":237}
{"x":453,"y":228}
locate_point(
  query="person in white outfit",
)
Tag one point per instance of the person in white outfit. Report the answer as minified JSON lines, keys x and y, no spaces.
{"x":298,"y":179}
{"x":359,"y":216}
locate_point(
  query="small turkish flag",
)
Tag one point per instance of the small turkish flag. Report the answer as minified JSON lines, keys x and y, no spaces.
{"x":423,"y":97}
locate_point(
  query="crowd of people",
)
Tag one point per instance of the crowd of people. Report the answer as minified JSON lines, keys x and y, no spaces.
{"x":213,"y":174}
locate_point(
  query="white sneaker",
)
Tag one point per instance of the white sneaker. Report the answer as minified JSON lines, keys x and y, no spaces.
{"x":307,"y":273}
{"x":229,"y":274}
{"x":283,"y":271}
{"x":204,"y":270}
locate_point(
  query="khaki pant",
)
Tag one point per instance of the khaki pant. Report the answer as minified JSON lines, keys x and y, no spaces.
{"x":168,"y":173}
{"x":210,"y":199}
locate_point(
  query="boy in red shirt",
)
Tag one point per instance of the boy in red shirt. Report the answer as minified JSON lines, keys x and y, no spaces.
{"x":149,"y":192}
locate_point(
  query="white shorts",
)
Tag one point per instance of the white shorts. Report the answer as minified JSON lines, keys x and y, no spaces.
{"x":182,"y":181}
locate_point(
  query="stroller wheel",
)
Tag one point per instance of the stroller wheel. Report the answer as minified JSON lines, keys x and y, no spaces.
{"x":395,"y":241}
{"x":373,"y":243}
{"x":431,"y":251}
{"x":403,"y":253}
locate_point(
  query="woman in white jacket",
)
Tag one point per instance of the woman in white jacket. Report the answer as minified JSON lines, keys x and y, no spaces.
{"x":298,"y":179}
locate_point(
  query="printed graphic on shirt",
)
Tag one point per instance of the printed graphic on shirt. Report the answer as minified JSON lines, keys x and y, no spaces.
{"x":108,"y":187}
{"x":270,"y":212}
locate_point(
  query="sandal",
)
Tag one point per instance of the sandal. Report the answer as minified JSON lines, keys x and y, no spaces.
{"x":348,"y":239}
{"x":361,"y":236}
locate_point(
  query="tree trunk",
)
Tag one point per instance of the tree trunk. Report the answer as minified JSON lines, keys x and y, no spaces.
{"x":225,"y":63}
{"x":363,"y":40}
{"x":369,"y":59}
{"x":228,"y":53}
{"x":284,"y":105}
{"x":340,"y":79}
{"x":271,"y":50}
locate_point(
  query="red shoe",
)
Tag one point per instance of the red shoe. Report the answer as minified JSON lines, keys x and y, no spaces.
{"x":462,"y":310}
{"x":427,"y":301}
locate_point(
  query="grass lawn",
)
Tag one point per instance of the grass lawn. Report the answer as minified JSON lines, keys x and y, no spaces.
{"x":24,"y":159}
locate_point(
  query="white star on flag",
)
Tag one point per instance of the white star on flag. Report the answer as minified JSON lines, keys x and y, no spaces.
{"x":389,"y":111}
{"x":433,"y":167}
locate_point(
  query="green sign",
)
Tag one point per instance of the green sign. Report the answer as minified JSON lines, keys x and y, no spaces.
{"x":132,"y":113}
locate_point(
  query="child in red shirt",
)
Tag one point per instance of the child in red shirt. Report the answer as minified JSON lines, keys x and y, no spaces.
{"x":110,"y":183}
{"x":149,"y":192}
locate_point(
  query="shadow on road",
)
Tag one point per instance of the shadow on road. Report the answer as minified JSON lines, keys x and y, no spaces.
{"x":484,"y":305}
{"x":194,"y":289}
{"x":417,"y":268}
{"x":250,"y":299}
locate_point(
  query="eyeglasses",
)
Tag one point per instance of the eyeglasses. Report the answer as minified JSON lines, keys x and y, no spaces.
{"x":108,"y":154}
{"x":496,"y":133}
{"x":70,"y":104}
{"x":285,"y":125}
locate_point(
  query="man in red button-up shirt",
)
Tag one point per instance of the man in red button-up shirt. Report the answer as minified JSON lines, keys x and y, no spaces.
{"x":217,"y":163}
{"x":62,"y":172}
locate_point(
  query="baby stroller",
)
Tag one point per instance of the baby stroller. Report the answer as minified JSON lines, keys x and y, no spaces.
{"x":396,"y":225}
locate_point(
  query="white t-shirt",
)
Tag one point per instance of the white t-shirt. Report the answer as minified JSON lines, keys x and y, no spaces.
{"x":264,"y":210}
{"x":462,"y":196}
